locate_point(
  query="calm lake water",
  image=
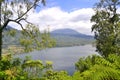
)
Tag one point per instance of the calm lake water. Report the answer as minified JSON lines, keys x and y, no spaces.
{"x":63,"y":58}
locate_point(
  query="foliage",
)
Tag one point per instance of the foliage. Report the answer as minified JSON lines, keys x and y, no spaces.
{"x":106,"y":27}
{"x":85,"y":63}
{"x":26,"y":40}
{"x":99,"y":68}
{"x":17,"y":69}
{"x":32,"y":39}
{"x":54,"y":75}
{"x":15,"y":11}
{"x":59,"y":40}
{"x":92,"y":67}
{"x":12,"y":33}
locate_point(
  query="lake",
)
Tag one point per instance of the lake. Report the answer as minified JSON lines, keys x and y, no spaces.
{"x":63,"y":58}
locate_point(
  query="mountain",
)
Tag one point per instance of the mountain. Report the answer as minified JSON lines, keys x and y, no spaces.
{"x":65,"y":31}
{"x":63,"y":37}
{"x":70,"y":32}
{"x":8,"y":28}
{"x":70,"y":37}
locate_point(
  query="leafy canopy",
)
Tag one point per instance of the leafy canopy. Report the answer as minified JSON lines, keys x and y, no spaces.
{"x":16,"y":11}
{"x":107,"y":27}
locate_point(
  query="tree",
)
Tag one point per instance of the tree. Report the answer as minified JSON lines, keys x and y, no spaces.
{"x":32,"y":39}
{"x":107,"y":27}
{"x":11,"y":11}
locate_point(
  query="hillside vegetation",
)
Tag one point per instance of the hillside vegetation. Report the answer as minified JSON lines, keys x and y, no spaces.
{"x":63,"y":37}
{"x":70,"y":37}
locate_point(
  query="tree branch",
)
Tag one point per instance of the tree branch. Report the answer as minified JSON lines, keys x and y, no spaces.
{"x":5,"y":25}
{"x":25,"y":21}
{"x":27,"y":10}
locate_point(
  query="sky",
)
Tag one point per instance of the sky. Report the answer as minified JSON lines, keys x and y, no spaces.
{"x":60,"y":14}
{"x":69,"y":5}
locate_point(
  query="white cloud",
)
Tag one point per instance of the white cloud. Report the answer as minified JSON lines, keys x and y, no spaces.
{"x":56,"y":18}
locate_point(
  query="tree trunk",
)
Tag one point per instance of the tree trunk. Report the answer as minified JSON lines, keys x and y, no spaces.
{"x":0,"y":34}
{"x":0,"y":45}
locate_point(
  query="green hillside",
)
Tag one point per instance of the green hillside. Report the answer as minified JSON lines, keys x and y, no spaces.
{"x":70,"y":37}
{"x":65,"y":38}
{"x":63,"y":41}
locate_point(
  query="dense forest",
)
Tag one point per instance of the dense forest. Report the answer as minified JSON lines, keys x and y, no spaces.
{"x":105,"y":66}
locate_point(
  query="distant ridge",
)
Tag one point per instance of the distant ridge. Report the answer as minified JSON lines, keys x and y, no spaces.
{"x":10,"y":28}
{"x":70,"y":32}
{"x":70,"y":37}
{"x":65,"y":31}
{"x":64,"y":37}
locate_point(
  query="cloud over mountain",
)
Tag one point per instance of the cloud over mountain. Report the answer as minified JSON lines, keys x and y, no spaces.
{"x":56,"y":18}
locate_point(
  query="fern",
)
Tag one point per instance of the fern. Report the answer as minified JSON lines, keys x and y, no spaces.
{"x":102,"y":61}
{"x":99,"y":68}
{"x":86,"y":63}
{"x":115,"y":60}
{"x":100,"y":72}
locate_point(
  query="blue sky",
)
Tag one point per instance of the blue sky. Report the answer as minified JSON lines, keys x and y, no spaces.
{"x":69,"y":5}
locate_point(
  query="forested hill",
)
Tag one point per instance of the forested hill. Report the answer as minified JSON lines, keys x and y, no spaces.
{"x":70,"y":37}
{"x":63,"y":37}
{"x":65,"y":31}
{"x":70,"y":32}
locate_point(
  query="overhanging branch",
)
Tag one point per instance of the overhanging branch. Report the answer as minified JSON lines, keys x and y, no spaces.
{"x":5,"y":25}
{"x":34,"y":4}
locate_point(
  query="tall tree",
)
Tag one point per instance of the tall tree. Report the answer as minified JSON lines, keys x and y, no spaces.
{"x":12,"y":11}
{"x":107,"y":27}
